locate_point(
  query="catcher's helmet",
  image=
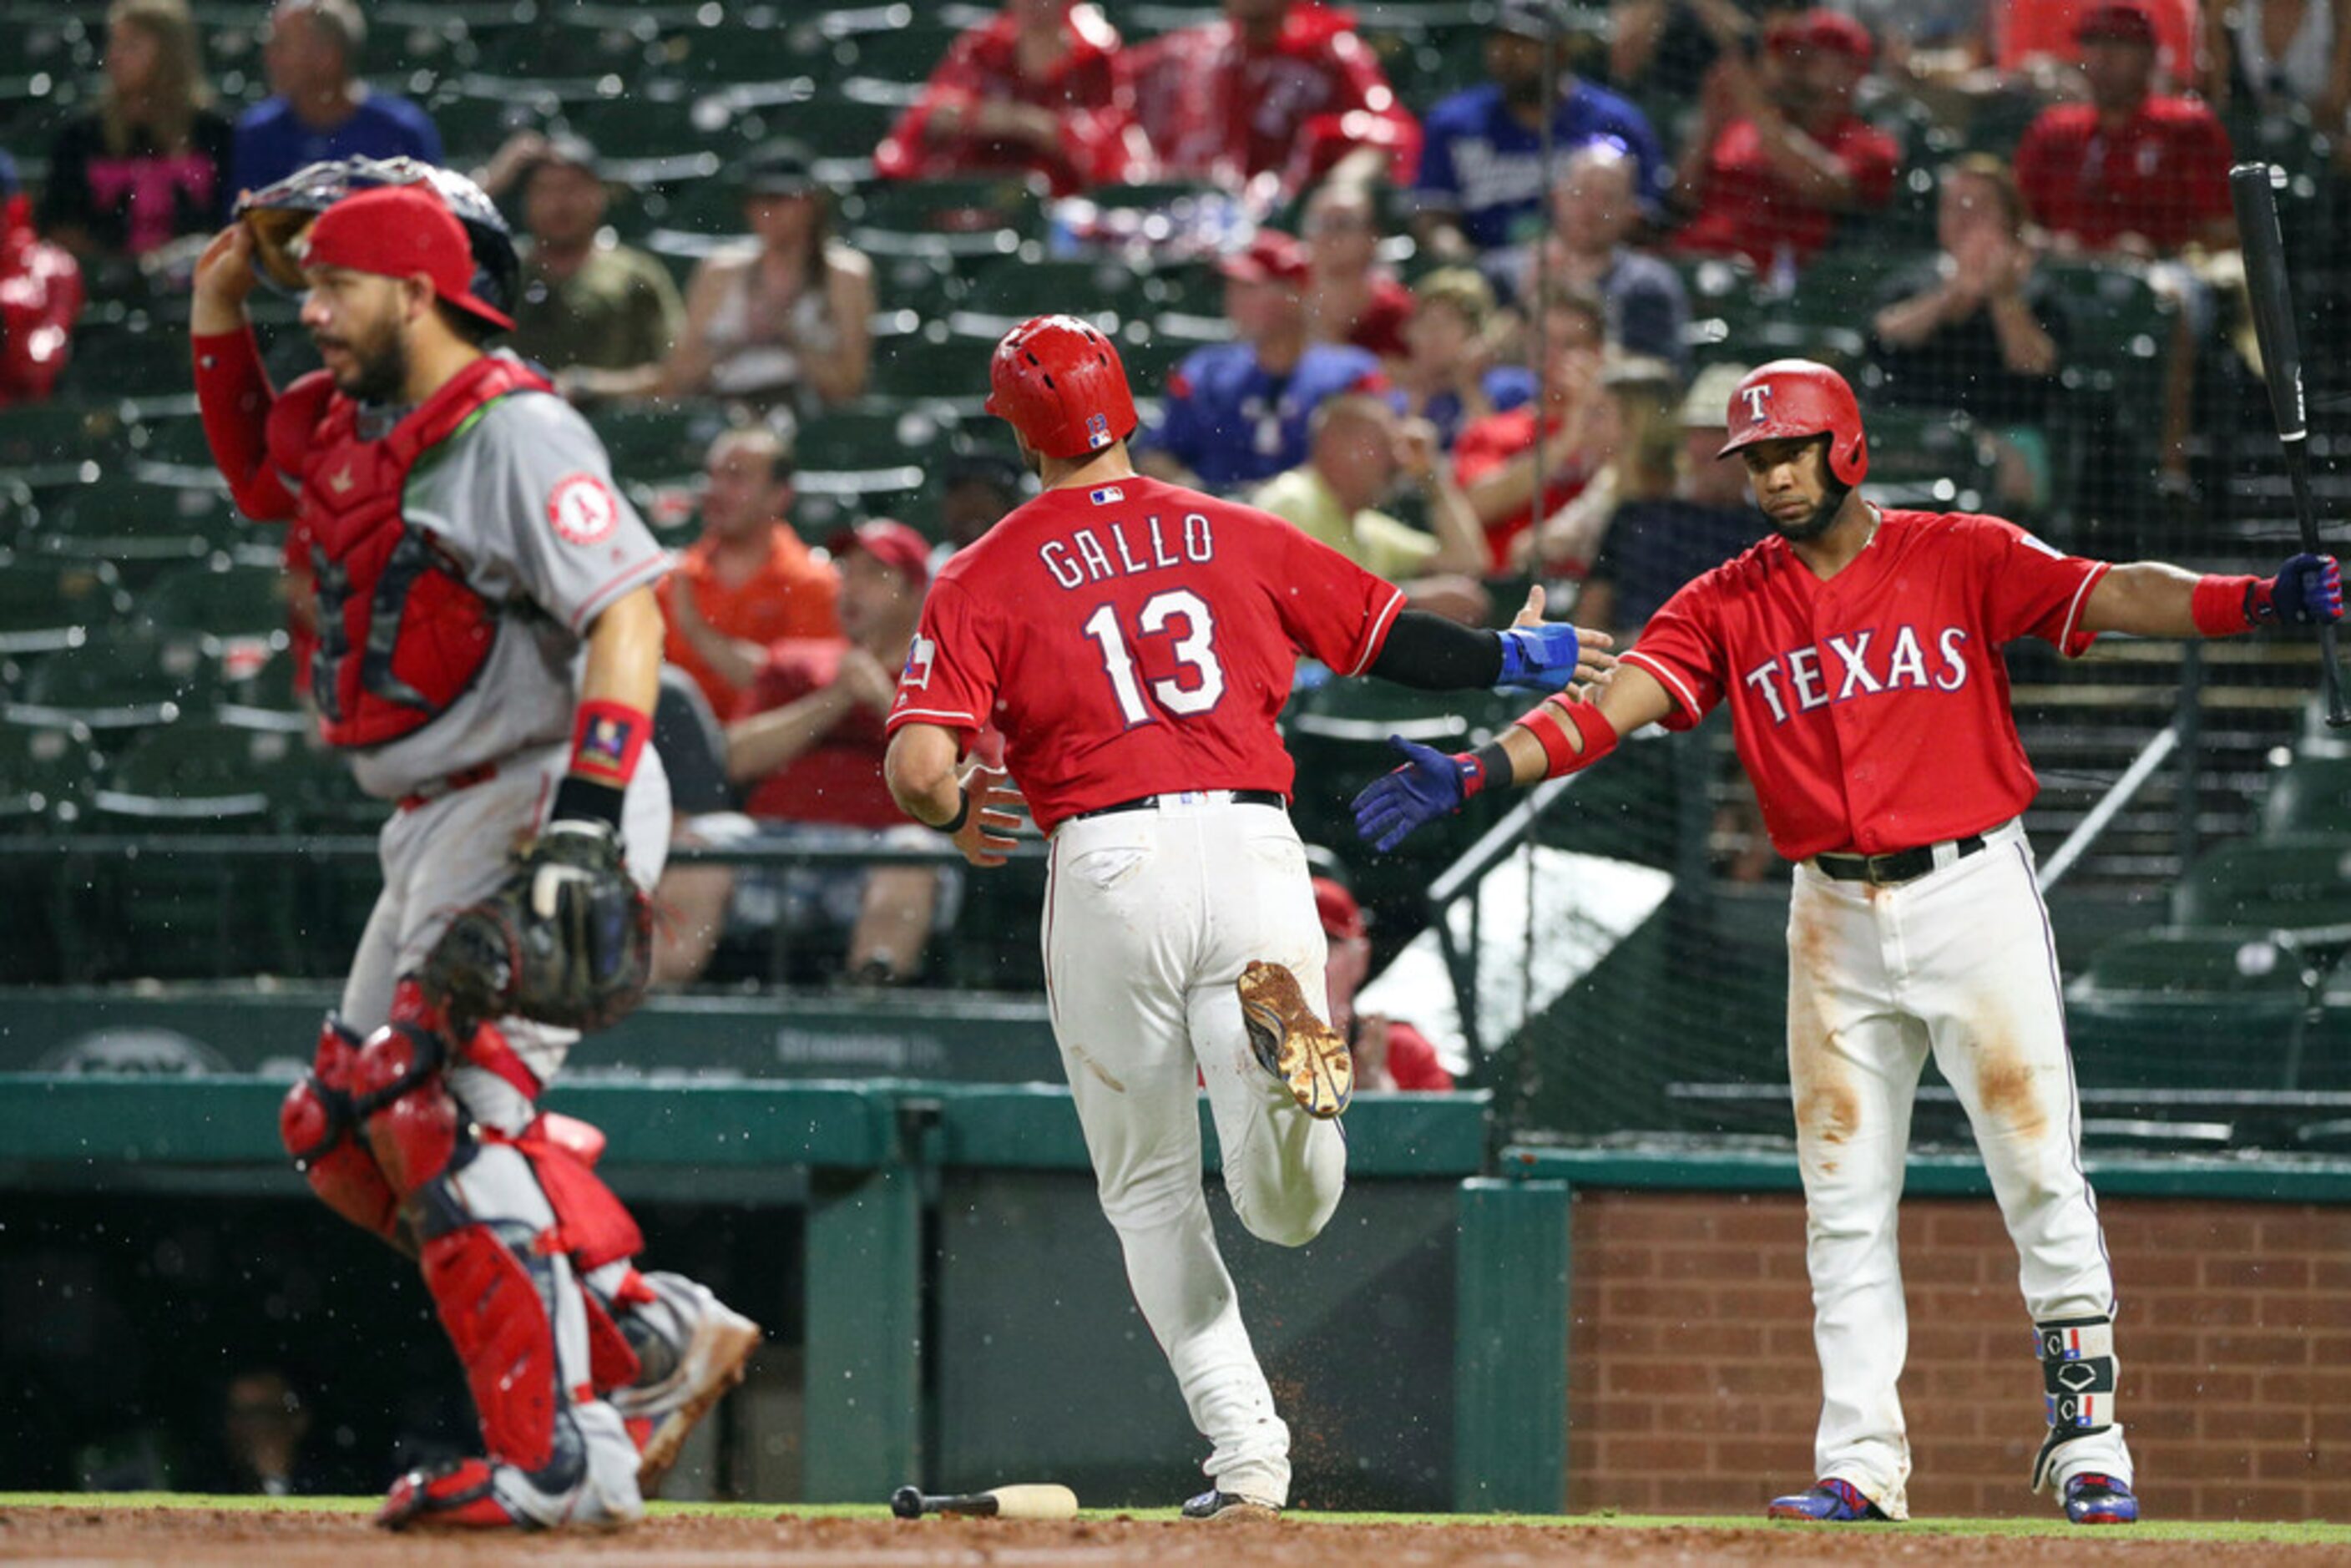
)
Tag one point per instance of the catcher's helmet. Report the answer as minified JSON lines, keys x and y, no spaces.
{"x":278,"y":214}
{"x":1791,"y":399}
{"x":1060,"y":384}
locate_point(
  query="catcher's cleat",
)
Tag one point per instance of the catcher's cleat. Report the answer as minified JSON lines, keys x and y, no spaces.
{"x":1232,"y":1506}
{"x":2093,"y":1499}
{"x":475,"y":1494}
{"x":715,"y":1357}
{"x":1294,"y":1044}
{"x":1832,"y":1501}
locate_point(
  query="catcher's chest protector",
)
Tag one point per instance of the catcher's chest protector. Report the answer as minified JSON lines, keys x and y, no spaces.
{"x":401,"y":634}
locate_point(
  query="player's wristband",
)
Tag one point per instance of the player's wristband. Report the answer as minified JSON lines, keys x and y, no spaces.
{"x":1487,"y":767}
{"x":954,"y":824}
{"x":607,"y":739}
{"x":581,"y":800}
{"x":2225,"y":606}
{"x":1550,"y":723}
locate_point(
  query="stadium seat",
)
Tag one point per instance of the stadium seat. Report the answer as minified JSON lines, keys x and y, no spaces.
{"x":218,"y":599}
{"x":49,"y":443}
{"x":658,"y":441}
{"x":980,"y":216}
{"x":2310,"y":795}
{"x":2192,"y":1009}
{"x":2293,"y":883}
{"x":116,"y":680}
{"x":928,"y":363}
{"x":193,"y":775}
{"x":45,"y":774}
{"x":49,"y":604}
{"x":1932,"y":459}
{"x":1105,"y":292}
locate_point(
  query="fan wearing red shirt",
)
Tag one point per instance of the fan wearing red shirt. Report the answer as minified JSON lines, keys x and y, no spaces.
{"x":1778,"y":154}
{"x":1859,"y":651}
{"x":1133,"y":640}
{"x":1039,"y":88}
{"x":1349,"y":297}
{"x":1495,"y":458}
{"x":805,"y":743}
{"x":1276,"y":94}
{"x":1389,"y":1052}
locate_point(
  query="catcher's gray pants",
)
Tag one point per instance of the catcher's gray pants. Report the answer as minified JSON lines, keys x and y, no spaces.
{"x":1150,"y":917}
{"x":443,"y":854}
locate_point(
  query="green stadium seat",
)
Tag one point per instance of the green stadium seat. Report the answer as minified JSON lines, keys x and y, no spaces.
{"x":47,"y":604}
{"x":639,"y":125}
{"x":746,"y":51}
{"x":979,"y":216}
{"x":928,"y":363}
{"x":1935,"y":460}
{"x":49,"y":443}
{"x":2311,"y":795}
{"x":1106,"y":292}
{"x":45,"y":775}
{"x":218,"y":599}
{"x":2298,"y":882}
{"x":903,"y":54}
{"x":658,"y":441}
{"x":116,"y":680}
{"x":2172,"y":963}
{"x":2181,"y":1008}
{"x":867,"y":461}
{"x":115,"y":361}
{"x":192,"y":776}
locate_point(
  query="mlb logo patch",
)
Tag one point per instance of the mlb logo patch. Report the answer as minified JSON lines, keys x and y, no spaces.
{"x":1106,"y":495}
{"x":1098,"y":434}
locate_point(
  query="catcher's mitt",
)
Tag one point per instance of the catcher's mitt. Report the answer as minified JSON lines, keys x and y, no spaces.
{"x":567,"y":940}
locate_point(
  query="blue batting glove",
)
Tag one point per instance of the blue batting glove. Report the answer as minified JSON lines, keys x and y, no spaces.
{"x":1428,"y":786}
{"x":1542,"y":656}
{"x":2307,"y":591}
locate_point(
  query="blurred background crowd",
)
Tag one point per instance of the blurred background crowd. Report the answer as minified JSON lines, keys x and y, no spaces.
{"x":1457,"y":286}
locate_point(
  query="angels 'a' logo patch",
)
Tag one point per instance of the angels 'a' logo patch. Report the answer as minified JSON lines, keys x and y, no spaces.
{"x":583,"y":508}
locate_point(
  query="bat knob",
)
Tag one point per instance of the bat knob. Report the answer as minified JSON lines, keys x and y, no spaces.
{"x":907,"y":1502}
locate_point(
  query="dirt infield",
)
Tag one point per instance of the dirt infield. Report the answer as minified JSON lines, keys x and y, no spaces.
{"x":93,"y":1534}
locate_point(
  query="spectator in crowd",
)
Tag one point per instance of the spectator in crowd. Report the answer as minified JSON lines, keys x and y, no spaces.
{"x":749,"y":579}
{"x":1665,"y":48}
{"x":2135,"y":175}
{"x":2279,"y":53}
{"x":600,"y":315}
{"x":1350,"y":296}
{"x":1389,"y":1053}
{"x":1979,"y":328}
{"x":1359,"y":450}
{"x":1450,"y":374}
{"x":1037,"y":89}
{"x":1235,"y":413}
{"x":1655,"y":543}
{"x":317,"y":108}
{"x":1480,"y":185}
{"x":976,"y":489}
{"x":1497,"y":459}
{"x":40,"y":298}
{"x":1270,"y":99}
{"x":1634,"y":441}
{"x":806,"y":743}
{"x":783,"y":320}
{"x":1778,"y":155}
{"x":148,"y":162}
{"x":1594,"y":211}
{"x":263,"y":1423}
{"x":2034,"y":36}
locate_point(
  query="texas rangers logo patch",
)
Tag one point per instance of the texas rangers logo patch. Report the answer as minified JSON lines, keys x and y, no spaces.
{"x":583,"y":508}
{"x":919,"y":654}
{"x":1756,"y":396}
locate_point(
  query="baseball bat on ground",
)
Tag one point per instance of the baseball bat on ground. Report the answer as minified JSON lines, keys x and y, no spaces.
{"x":1002,"y":1502}
{"x":2257,"y":227}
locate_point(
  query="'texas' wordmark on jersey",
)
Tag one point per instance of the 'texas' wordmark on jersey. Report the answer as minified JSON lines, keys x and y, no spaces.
{"x":1800,"y":680}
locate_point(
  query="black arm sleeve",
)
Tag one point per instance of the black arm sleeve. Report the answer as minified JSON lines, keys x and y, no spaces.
{"x":1436,"y":654}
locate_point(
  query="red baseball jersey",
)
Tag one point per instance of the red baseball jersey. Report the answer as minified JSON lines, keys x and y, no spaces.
{"x":2164,"y":174}
{"x":1136,"y":639}
{"x":1745,"y":208}
{"x":1872,"y":710}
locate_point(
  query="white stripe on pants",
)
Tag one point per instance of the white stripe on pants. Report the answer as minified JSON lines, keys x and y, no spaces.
{"x":1960,"y":963}
{"x":1150,"y":916}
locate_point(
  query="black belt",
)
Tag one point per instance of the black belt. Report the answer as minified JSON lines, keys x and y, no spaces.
{"x":1151,"y":802}
{"x":1901,"y":866}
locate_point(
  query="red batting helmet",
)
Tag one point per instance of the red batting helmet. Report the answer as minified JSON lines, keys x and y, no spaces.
{"x":1059,"y":383}
{"x":1790,"y":399}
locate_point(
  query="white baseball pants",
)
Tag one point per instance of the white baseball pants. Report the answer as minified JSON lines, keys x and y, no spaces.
{"x":1961,"y":963}
{"x":1150,"y":916}
{"x":450,"y":851}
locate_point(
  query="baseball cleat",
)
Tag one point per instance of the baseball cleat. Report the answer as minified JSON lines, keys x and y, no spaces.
{"x":2093,"y":1499}
{"x":1832,"y":1501}
{"x":477,"y":1494}
{"x":714,"y":1362}
{"x":1294,"y":1044}
{"x":1232,"y":1506}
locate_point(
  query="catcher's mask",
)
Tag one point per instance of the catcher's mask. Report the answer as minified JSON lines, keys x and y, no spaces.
{"x":281,"y":213}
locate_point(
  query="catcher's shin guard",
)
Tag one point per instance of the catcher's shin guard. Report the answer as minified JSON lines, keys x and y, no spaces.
{"x":2078,"y":1373}
{"x":321,"y":1128}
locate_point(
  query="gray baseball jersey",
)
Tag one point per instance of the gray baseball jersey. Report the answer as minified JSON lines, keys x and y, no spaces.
{"x":521,"y":498}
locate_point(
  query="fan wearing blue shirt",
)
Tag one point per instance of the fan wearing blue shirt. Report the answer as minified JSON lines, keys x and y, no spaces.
{"x":1482,"y":179}
{"x":1237,"y":414}
{"x":318,"y":108}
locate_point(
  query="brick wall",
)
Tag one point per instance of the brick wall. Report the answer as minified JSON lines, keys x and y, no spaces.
{"x":1692,"y":1386}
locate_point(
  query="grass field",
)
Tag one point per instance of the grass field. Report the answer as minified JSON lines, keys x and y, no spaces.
{"x":2306,"y":1533}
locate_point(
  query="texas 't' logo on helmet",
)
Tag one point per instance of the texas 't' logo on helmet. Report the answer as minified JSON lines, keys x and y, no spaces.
{"x":1756,"y":396}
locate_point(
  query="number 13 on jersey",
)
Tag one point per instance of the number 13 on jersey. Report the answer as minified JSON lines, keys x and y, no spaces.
{"x":1177,"y":613}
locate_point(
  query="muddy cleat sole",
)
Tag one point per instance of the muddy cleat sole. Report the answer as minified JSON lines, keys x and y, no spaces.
{"x":2092,"y":1499}
{"x":1231,"y":1507}
{"x":716,"y":1358}
{"x":1831,"y":1503}
{"x":1294,"y":1044}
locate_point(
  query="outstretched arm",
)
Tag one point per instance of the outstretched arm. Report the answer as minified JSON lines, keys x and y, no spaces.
{"x":2148,"y":599}
{"x":1432,"y":653}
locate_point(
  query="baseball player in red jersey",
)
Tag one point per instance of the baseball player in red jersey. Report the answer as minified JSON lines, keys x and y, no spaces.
{"x":1134,"y":641}
{"x":1859,"y":651}
{"x":487,"y":656}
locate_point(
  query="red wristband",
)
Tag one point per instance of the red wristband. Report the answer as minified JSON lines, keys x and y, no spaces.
{"x":2218,"y":605}
{"x":1549,"y":724}
{"x":607,"y":738}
